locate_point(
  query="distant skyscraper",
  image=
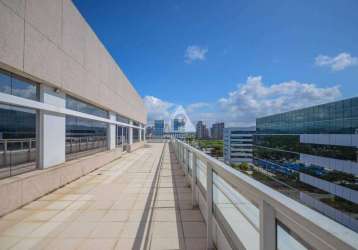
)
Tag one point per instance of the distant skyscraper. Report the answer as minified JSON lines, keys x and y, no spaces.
{"x":217,"y":131}
{"x":179,"y":125}
{"x":158,"y":127}
{"x":202,"y":131}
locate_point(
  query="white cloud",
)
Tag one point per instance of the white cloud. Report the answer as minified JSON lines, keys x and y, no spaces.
{"x":196,"y":106}
{"x":250,"y":100}
{"x":340,"y":62}
{"x":254,"y":99}
{"x":157,"y":108}
{"x":195,"y":53}
{"x":163,"y":110}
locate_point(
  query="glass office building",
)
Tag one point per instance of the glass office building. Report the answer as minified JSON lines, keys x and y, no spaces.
{"x":158,"y":128}
{"x":316,"y":146}
{"x":178,"y":125}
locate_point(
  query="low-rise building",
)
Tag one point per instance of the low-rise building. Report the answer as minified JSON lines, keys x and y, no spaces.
{"x":238,"y":143}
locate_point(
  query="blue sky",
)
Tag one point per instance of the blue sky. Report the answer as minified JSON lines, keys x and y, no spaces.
{"x":195,"y":53}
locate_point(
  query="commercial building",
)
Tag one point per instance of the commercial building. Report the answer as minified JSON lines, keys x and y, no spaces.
{"x":158,"y":128}
{"x":178,"y":125}
{"x":62,"y":96}
{"x":217,"y":131}
{"x":202,"y":132}
{"x":316,"y":145}
{"x":238,"y":144}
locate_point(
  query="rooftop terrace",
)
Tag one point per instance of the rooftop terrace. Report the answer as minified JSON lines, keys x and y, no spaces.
{"x":169,"y":196}
{"x":140,"y":201}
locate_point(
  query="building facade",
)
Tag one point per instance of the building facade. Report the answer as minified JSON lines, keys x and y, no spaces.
{"x":318,"y":145}
{"x":217,"y":131}
{"x":62,"y":96}
{"x":178,"y":125}
{"x":158,"y":128}
{"x":238,"y":145}
{"x":202,"y":131}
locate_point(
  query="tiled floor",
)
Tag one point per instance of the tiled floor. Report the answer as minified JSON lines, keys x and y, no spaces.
{"x":129,"y":204}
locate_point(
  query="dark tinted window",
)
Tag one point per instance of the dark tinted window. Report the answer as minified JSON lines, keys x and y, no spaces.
{"x":81,"y":106}
{"x":331,"y":118}
{"x":122,"y":119}
{"x":18,"y":86}
{"x":84,"y":137}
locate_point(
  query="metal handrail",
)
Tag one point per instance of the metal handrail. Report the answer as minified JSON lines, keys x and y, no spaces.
{"x":318,"y":231}
{"x":6,"y":142}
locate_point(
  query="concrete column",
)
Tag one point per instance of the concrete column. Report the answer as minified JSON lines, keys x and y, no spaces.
{"x":51,"y":129}
{"x":144,"y":132}
{"x":209,"y":200}
{"x":111,"y":132}
{"x":130,"y":134}
{"x":193,"y":181}
{"x":140,"y":132}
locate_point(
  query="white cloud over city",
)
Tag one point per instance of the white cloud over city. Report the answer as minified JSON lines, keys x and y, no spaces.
{"x":251,"y":99}
{"x":157,"y":108}
{"x":336,"y":63}
{"x":195,"y":53}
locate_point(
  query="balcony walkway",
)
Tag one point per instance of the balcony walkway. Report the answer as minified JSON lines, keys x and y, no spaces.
{"x":131,"y":203}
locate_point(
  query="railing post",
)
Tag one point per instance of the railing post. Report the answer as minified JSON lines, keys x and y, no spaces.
{"x":193,"y":181}
{"x":185,"y":161}
{"x":176,"y":149}
{"x":188,"y":161}
{"x":267,"y":227}
{"x":186,"y":164}
{"x":181,"y":153}
{"x":209,"y":200}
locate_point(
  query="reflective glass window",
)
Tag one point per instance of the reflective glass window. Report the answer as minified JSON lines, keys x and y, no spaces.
{"x":17,"y":140}
{"x":84,"y":137}
{"x":328,"y":118}
{"x":122,"y":119}
{"x":81,"y":106}
{"x":121,"y":136}
{"x":135,"y":135}
{"x":18,"y":86}
{"x":5,"y":82}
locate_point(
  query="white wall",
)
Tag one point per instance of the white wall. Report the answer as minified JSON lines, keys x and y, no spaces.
{"x":50,"y":42}
{"x":52,"y":129}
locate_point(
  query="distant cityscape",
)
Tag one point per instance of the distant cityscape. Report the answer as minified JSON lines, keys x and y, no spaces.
{"x":309,"y":154}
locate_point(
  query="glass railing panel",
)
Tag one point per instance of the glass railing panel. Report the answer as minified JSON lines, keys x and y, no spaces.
{"x":201,"y":173}
{"x":287,"y":239}
{"x":238,"y":212}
